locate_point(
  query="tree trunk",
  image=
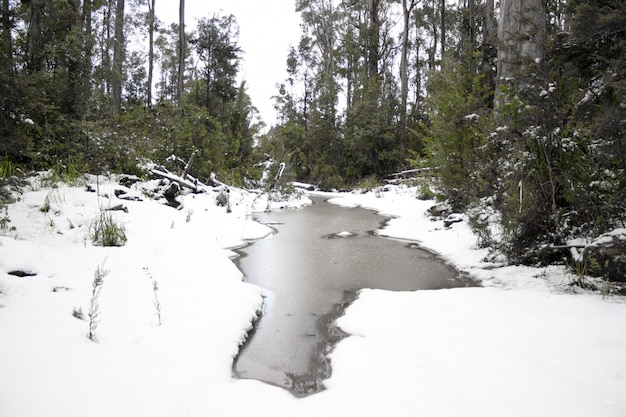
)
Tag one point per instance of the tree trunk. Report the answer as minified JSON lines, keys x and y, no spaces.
{"x":373,"y":40}
{"x":418,"y":71}
{"x":407,"y":8}
{"x":521,"y":36}
{"x":89,"y":39}
{"x":118,"y":58}
{"x":488,"y":48}
{"x":432,"y":52}
{"x":471,"y":44}
{"x":7,"y":40}
{"x":75,"y":81}
{"x":105,"y":52}
{"x":35,"y":52}
{"x":151,"y":17}
{"x":443,"y":30}
{"x":181,"y":49}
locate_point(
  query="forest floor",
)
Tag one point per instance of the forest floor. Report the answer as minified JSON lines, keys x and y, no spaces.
{"x":171,"y":310}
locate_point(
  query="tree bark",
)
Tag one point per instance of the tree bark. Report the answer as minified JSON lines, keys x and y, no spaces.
{"x":521,"y":38}
{"x":105,"y":52}
{"x":181,"y":49}
{"x":118,"y":57}
{"x":88,"y":43}
{"x":407,"y":8}
{"x":7,"y":39}
{"x":373,"y":40}
{"x":488,"y":48}
{"x":35,"y":32}
{"x":443,"y":30}
{"x":151,"y":17}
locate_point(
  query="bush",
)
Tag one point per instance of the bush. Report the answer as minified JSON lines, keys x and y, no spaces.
{"x":7,"y":167}
{"x":424,"y":192}
{"x":222,"y":198}
{"x":105,"y":231}
{"x":368,"y":183}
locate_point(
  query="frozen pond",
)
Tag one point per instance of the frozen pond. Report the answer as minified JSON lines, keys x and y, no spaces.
{"x":309,"y":270}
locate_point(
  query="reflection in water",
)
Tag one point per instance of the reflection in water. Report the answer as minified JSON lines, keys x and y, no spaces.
{"x":309,"y":271}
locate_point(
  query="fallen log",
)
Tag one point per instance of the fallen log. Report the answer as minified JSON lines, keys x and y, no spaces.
{"x":174,"y":178}
{"x":213,"y":181}
{"x":119,"y":207}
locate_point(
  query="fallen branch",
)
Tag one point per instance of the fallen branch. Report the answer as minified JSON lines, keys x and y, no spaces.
{"x":188,"y":166}
{"x":557,"y":248}
{"x":411,"y":171}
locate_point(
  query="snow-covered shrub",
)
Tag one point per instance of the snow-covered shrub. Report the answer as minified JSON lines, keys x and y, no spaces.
{"x":222,"y":198}
{"x":4,"y":220}
{"x":484,"y":221}
{"x":94,"y":304}
{"x":53,"y":200}
{"x":77,"y":312}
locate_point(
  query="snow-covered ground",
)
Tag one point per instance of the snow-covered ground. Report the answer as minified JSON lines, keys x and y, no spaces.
{"x":522,"y":345}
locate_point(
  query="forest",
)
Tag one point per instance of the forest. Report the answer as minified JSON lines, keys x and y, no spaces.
{"x":511,"y":111}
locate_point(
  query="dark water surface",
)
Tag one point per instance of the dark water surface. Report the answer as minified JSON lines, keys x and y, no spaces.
{"x":309,"y":274}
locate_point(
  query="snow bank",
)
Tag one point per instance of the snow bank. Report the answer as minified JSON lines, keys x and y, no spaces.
{"x":49,"y":367}
{"x":526,"y":345}
{"x":483,"y":352}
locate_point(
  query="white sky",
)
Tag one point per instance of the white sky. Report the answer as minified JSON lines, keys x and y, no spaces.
{"x":267,"y":30}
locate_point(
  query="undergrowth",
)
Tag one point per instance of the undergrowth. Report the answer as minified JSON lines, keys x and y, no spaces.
{"x":106,"y":231}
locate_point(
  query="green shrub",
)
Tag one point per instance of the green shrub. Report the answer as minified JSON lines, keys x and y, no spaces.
{"x":7,"y":167}
{"x":105,"y":231}
{"x":368,"y":183}
{"x":424,"y":192}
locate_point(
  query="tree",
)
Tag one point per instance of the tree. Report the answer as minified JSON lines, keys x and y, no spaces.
{"x":372,"y":40}
{"x":488,"y":48}
{"x":522,"y":39}
{"x":216,"y":44}
{"x":35,"y":42}
{"x":10,"y":94}
{"x":407,"y":9}
{"x":151,"y":28}
{"x":119,"y":47}
{"x":181,"y":50}
{"x":6,"y":40}
{"x":443,"y":28}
